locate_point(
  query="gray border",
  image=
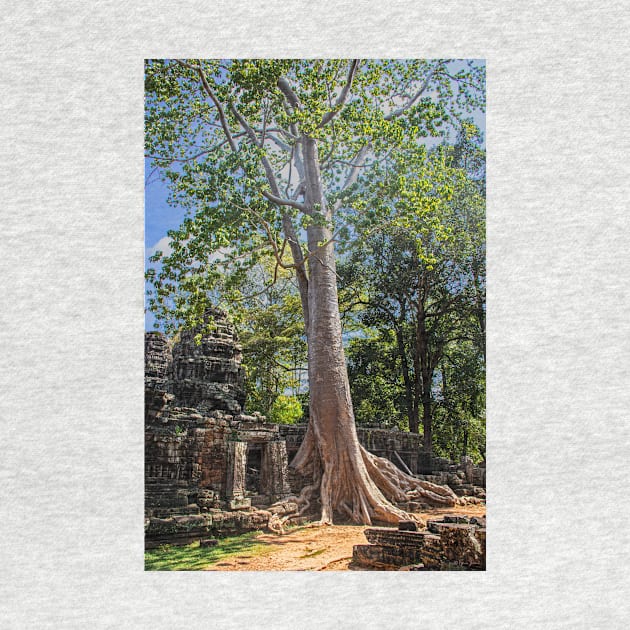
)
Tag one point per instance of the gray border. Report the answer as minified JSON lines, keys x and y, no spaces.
{"x":72,"y":451}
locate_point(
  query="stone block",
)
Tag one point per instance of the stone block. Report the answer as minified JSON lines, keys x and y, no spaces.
{"x":240,"y":504}
{"x":190,"y":521}
{"x":446,"y":546}
{"x":437,"y":527}
{"x":396,"y":538}
{"x":384,"y":557}
{"x":463,"y":547}
{"x":455,"y":518}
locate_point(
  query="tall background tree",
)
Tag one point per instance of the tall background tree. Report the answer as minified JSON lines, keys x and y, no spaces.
{"x":271,"y":155}
{"x":418,"y":285}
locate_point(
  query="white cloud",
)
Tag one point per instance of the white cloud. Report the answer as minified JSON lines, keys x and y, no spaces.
{"x":163,"y":245}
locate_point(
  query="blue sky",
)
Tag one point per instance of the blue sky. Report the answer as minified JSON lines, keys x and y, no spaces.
{"x":159,"y":216}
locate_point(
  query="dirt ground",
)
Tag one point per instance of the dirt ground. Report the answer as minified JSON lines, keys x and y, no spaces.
{"x":319,"y":548}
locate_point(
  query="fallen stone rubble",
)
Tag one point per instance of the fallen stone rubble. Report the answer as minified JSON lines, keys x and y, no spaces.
{"x":183,"y":529}
{"x":451,"y":544}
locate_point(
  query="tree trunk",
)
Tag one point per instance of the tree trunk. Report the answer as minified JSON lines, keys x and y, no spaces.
{"x":479,"y":311}
{"x":424,"y":379}
{"x":465,"y":441}
{"x":351,"y":482}
{"x":412,"y":407}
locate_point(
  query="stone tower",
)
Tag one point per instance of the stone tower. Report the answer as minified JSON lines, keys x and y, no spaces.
{"x":208,"y":375}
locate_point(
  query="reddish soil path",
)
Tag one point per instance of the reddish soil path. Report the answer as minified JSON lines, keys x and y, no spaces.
{"x":318,"y":548}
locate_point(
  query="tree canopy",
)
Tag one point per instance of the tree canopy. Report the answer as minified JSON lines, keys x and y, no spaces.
{"x":225,"y":135}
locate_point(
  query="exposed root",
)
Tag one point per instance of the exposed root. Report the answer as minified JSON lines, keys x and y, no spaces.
{"x":400,"y":487}
{"x":276,"y":524}
{"x":303,"y":500}
{"x":362,"y":488}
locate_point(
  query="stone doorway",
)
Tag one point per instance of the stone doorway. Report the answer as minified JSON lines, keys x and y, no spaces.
{"x":253,"y":468}
{"x":257,"y":469}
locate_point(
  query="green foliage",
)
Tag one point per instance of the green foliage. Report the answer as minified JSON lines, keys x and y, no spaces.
{"x":375,"y":382}
{"x":416,"y":282}
{"x":222,"y":182}
{"x":271,"y":329}
{"x":285,"y":410}
{"x":460,"y":412}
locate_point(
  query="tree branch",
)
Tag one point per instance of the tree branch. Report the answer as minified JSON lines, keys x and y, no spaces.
{"x":192,"y":157}
{"x":274,"y":195}
{"x":287,"y":90}
{"x":215,"y":100}
{"x":333,"y":144}
{"x":300,"y":271}
{"x":354,"y":173}
{"x":290,"y":105}
{"x":416,"y":96}
{"x":282,"y":145}
{"x":271,"y":239}
{"x":444,"y":308}
{"x":284,"y":202}
{"x":342,"y":96}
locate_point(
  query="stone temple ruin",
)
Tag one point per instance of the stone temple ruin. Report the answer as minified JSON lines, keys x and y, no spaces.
{"x":211,"y":469}
{"x":206,"y":462}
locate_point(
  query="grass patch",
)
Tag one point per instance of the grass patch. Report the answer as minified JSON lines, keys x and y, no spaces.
{"x":195,"y":558}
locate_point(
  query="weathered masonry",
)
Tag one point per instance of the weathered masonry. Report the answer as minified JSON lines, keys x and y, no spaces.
{"x":452,"y":543}
{"x":406,"y":451}
{"x":200,"y":448}
{"x":210,"y":467}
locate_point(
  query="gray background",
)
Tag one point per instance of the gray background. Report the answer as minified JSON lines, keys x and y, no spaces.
{"x":71,"y":463}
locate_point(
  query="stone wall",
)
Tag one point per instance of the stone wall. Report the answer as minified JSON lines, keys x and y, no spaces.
{"x":157,"y":361}
{"x":208,"y":376}
{"x":189,"y":452}
{"x":207,"y":464}
{"x":402,"y":448}
{"x":184,"y":454}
